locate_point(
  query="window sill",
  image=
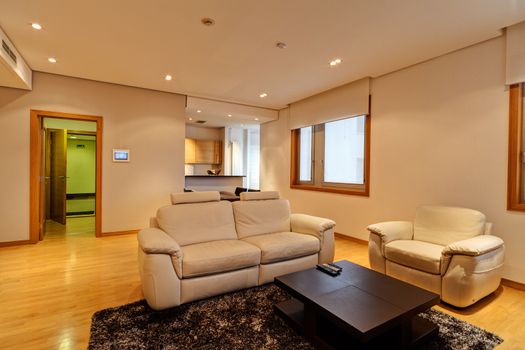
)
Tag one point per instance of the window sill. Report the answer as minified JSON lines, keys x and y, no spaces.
{"x":348,"y":191}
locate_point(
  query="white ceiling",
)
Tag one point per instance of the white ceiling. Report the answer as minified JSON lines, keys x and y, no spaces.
{"x":137,"y":42}
{"x":221,"y":114}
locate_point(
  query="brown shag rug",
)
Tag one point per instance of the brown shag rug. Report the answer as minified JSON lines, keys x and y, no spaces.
{"x":241,"y":320}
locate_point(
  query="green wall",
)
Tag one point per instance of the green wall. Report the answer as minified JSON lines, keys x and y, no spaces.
{"x":81,"y":165}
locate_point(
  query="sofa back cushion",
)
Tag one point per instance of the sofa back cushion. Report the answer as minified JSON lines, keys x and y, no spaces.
{"x":444,"y":225}
{"x":197,"y":222}
{"x":255,"y":217}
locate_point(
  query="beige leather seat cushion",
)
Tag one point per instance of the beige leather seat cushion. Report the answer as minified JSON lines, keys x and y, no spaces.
{"x":420,"y":255}
{"x":282,"y":246}
{"x":218,"y":256}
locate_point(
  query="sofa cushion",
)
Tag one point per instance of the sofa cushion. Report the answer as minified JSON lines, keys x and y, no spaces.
{"x":218,"y":256}
{"x":197,"y":222}
{"x":257,"y":196}
{"x":419,"y":255}
{"x":444,"y":225}
{"x":282,"y":246}
{"x":262,"y":216}
{"x":195,"y":197}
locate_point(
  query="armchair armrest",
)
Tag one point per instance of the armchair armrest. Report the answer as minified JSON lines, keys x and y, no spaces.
{"x":309,"y":224}
{"x":156,"y":241}
{"x":392,"y":230}
{"x":474,"y":246}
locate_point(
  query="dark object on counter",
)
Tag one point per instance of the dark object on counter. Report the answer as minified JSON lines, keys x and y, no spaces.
{"x":213,"y":171}
{"x":239,"y":190}
{"x":188,"y":190}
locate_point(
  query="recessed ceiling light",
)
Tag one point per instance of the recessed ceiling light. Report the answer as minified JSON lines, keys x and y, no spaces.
{"x":335,"y":62}
{"x":36,"y":26}
{"x":207,"y":21}
{"x":52,"y":60}
{"x":168,"y":77}
{"x":256,"y":119}
{"x":229,"y":115}
{"x":263,"y":95}
{"x":191,"y":118}
{"x":198,"y":111}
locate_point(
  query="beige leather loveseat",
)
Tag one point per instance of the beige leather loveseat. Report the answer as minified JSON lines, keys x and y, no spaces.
{"x":200,"y":246}
{"x":446,"y":250}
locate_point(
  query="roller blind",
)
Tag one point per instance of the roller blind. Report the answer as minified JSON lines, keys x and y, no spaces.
{"x":515,"y":67}
{"x":343,"y":101}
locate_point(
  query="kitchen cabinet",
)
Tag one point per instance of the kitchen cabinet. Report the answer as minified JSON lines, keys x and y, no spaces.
{"x":203,"y":151}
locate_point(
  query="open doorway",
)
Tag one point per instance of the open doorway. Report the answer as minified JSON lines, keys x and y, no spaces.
{"x":65,"y":174}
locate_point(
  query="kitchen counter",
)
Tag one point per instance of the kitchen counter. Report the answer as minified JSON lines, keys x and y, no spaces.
{"x":215,"y":175}
{"x":226,"y":183}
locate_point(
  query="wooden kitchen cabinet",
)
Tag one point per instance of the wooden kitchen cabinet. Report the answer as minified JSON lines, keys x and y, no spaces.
{"x":189,"y":151}
{"x":203,"y":151}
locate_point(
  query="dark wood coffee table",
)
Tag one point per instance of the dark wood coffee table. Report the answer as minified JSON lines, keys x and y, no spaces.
{"x":360,"y":308}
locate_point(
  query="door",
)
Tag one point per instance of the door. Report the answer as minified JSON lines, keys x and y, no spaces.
{"x":58,"y":145}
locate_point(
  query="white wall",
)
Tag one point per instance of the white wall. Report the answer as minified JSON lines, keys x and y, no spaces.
{"x":149,"y":123}
{"x":439,"y":136}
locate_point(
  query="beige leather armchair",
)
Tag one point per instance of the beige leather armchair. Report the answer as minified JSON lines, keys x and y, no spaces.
{"x":446,"y":250}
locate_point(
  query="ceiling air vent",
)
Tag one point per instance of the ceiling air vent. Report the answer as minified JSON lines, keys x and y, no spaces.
{"x":7,"y":49}
{"x":200,"y":121}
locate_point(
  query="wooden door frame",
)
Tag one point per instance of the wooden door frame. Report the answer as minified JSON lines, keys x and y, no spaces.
{"x":35,"y":167}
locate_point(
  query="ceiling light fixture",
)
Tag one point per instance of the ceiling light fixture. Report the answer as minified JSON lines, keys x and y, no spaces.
{"x":52,"y":60}
{"x":198,"y":111}
{"x":256,"y":119}
{"x":36,"y":26}
{"x":335,"y":62}
{"x":191,"y":118}
{"x":263,"y":95}
{"x":168,"y":77}
{"x":207,"y":21}
{"x":229,"y":115}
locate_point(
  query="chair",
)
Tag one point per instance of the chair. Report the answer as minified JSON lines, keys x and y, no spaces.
{"x":446,"y":250}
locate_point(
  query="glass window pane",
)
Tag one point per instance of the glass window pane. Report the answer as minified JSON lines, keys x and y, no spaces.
{"x":344,"y":151}
{"x":305,"y":154}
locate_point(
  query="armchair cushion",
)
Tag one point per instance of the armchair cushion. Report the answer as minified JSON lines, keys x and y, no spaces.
{"x":474,"y":246}
{"x":284,"y":246}
{"x":155,"y":241}
{"x":419,"y":255}
{"x":444,"y":225}
{"x":218,"y":256}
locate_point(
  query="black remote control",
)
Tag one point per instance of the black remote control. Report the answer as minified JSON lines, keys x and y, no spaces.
{"x":336,"y":266}
{"x":327,"y":270}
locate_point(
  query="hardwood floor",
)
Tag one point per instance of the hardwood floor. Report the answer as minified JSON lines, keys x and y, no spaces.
{"x":49,"y":291}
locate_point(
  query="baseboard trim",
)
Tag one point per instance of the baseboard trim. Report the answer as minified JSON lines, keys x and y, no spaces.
{"x":15,"y":243}
{"x":513,"y":284}
{"x":350,"y":238}
{"x":119,"y":233}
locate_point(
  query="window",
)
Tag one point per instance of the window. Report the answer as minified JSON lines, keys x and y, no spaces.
{"x":305,"y":154}
{"x":332,"y":157}
{"x":516,"y":157}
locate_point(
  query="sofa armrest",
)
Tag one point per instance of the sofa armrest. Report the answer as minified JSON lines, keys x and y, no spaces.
{"x":474,"y":246}
{"x":321,"y":228}
{"x":392,"y":230}
{"x":311,"y":225}
{"x":156,"y":241}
